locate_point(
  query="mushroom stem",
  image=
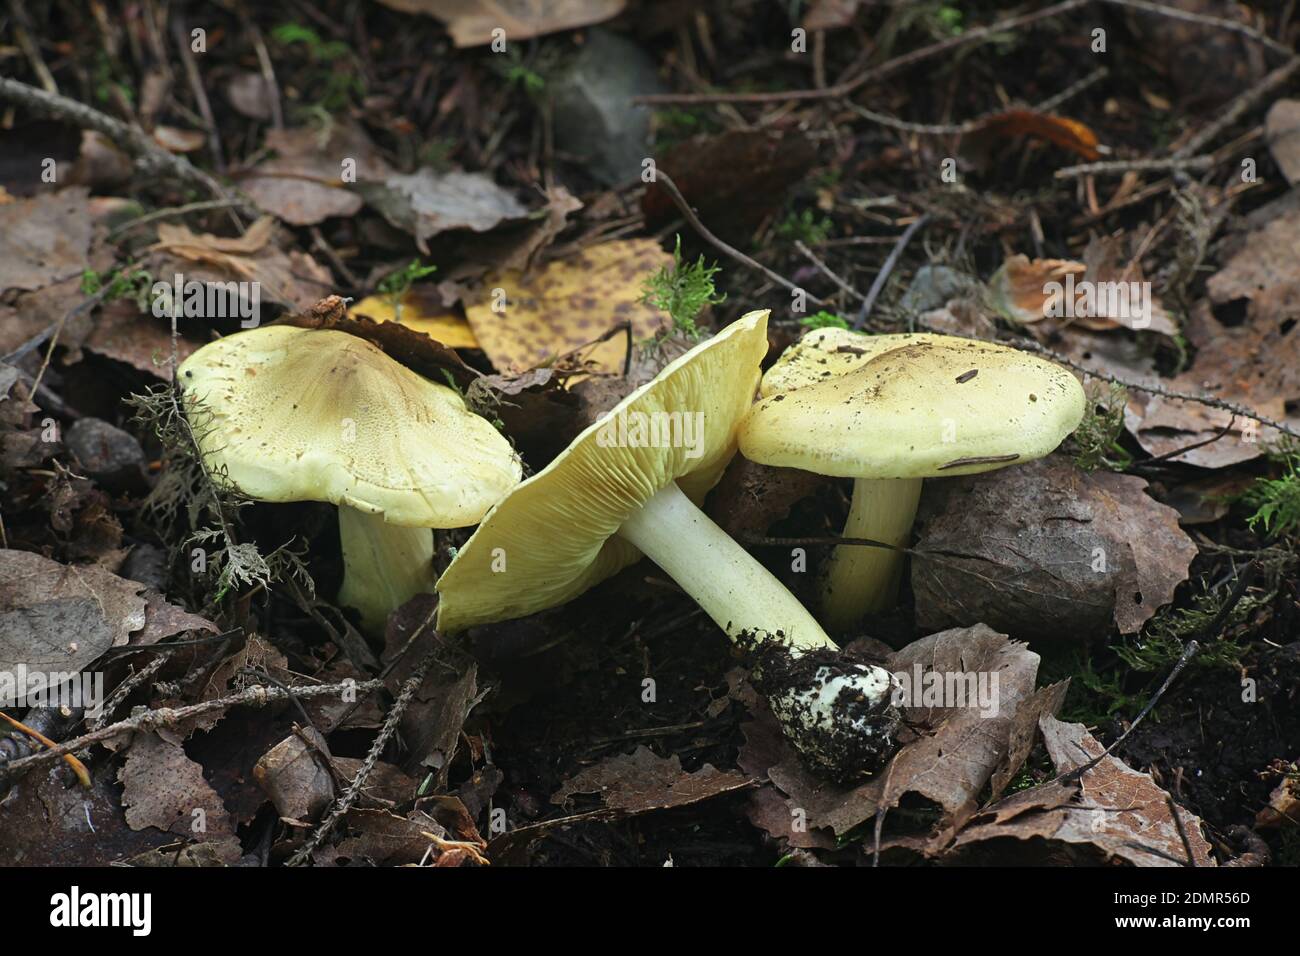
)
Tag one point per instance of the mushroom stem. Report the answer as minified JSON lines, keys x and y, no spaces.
{"x":384,"y":565}
{"x":741,"y":595}
{"x":861,"y":579}
{"x":837,"y":713}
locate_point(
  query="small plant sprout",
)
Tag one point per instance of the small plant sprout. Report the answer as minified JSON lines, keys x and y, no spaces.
{"x":824,"y":320}
{"x":1277,"y":500}
{"x":600,"y":506}
{"x":683,"y":291}
{"x":320,"y":415}
{"x":889,"y":411}
{"x":398,"y":282}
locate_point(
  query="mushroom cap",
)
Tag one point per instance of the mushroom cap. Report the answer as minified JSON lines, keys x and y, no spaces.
{"x":851,"y":405}
{"x":296,"y":414}
{"x":554,"y":536}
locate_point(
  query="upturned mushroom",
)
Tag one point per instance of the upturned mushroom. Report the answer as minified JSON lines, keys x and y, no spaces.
{"x":889,"y":411}
{"x":631,"y":485}
{"x":290,"y":414}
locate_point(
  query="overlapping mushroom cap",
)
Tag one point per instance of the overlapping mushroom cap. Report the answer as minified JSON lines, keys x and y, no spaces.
{"x":908,"y":406}
{"x":296,"y":414}
{"x":554,"y":536}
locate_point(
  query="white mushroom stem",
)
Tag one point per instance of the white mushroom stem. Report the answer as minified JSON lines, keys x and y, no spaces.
{"x":384,"y":565}
{"x":861,"y":579}
{"x":741,"y":595}
{"x":746,"y":600}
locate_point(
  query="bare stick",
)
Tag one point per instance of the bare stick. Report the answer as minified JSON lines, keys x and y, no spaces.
{"x":344,"y":803}
{"x":1232,"y":26}
{"x":150,"y":720}
{"x":1239,"y":106}
{"x":891,"y":261}
{"x":150,"y":159}
{"x":976,"y":35}
{"x":1115,"y":167}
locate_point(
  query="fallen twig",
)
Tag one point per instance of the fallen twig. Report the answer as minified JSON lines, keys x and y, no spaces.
{"x":150,"y":158}
{"x":975,"y":35}
{"x":891,"y":260}
{"x":149,"y":720}
{"x":342,"y":805}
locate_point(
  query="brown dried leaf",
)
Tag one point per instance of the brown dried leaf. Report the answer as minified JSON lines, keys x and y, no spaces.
{"x":1282,"y":133}
{"x":472,"y":22}
{"x":425,"y":203}
{"x":56,"y":617}
{"x":642,"y":781}
{"x":294,"y":775}
{"x":960,"y":749}
{"x":44,"y":239}
{"x":164,"y":788}
{"x":1046,"y":552}
{"x":302,"y":184}
{"x":1118,"y":812}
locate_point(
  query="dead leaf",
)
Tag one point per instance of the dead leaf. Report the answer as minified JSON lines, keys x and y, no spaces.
{"x":1064,"y":132}
{"x":1283,"y":805}
{"x":1046,"y":552}
{"x":735,"y":179}
{"x":1282,"y":133}
{"x":164,"y":788}
{"x":381,"y":838}
{"x":425,"y":203}
{"x":44,"y":239}
{"x":959,"y":749}
{"x":293,"y":774}
{"x":61,"y":618}
{"x":303,"y":183}
{"x":48,"y":823}
{"x":1118,"y":813}
{"x":472,"y":22}
{"x":1017,"y":290}
{"x":176,"y":140}
{"x":642,"y":781}
{"x":420,"y":309}
{"x":291,"y":279}
{"x":568,"y":303}
{"x":121,"y":332}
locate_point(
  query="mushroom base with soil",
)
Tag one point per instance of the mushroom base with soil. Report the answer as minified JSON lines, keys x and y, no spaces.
{"x":859,"y":578}
{"x":384,"y":565}
{"x":837,"y":713}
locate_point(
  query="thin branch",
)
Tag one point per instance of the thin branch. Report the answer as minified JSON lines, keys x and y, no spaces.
{"x":1239,"y":106}
{"x":150,"y":720}
{"x":150,"y":158}
{"x":344,"y":803}
{"x":875,"y":74}
{"x":892,"y":260}
{"x":1116,"y":167}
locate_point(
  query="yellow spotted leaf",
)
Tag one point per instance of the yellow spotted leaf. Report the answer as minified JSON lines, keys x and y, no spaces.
{"x":567,"y":303}
{"x":422,"y":310}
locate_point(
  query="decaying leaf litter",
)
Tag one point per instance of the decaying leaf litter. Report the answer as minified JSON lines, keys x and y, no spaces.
{"x":509,"y":225}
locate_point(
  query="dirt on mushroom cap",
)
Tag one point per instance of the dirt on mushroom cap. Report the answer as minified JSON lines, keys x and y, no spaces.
{"x":297,"y":414}
{"x":915,"y":406}
{"x":555,"y":534}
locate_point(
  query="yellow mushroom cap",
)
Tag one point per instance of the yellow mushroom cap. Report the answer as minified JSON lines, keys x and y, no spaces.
{"x":296,"y":414}
{"x":908,"y":406}
{"x":553,"y":537}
